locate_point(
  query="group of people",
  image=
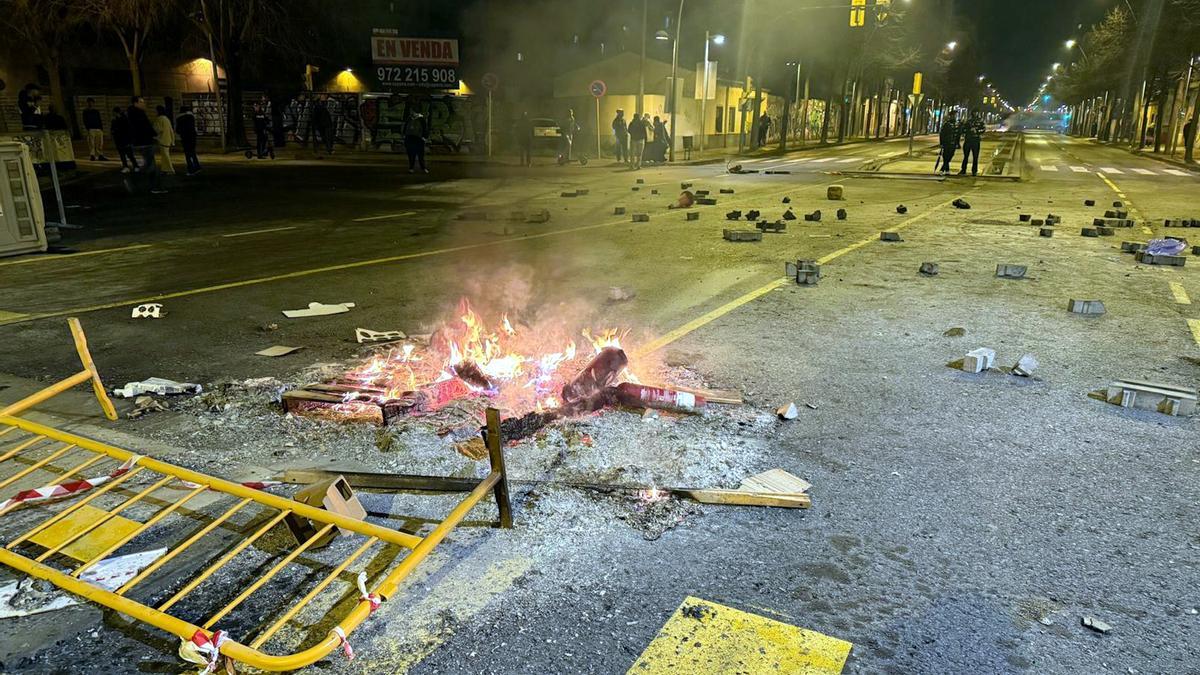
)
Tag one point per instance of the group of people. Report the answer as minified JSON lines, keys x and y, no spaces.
{"x":967,"y":134}
{"x":640,"y":140}
{"x":142,"y":143}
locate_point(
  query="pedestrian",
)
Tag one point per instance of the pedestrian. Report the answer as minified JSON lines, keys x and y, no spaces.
{"x":95,"y":131}
{"x":972,"y":133}
{"x":662,"y":140}
{"x":621,"y":137}
{"x":122,"y":136}
{"x":185,"y":128}
{"x":637,"y":141}
{"x":1189,"y":134}
{"x":28,"y":104}
{"x":416,"y":134}
{"x":262,"y":126}
{"x":322,"y":124}
{"x":294,"y":116}
{"x":568,"y":131}
{"x":164,"y":137}
{"x":52,"y":121}
{"x":764,"y":126}
{"x":948,"y":139}
{"x":142,"y":135}
{"x":524,"y":133}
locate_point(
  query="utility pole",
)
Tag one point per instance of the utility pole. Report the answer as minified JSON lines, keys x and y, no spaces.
{"x":674,"y":83}
{"x":641,"y":99}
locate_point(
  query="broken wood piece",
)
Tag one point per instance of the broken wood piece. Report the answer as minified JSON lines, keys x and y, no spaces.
{"x":277,"y":350}
{"x":777,"y":481}
{"x":746,"y":498}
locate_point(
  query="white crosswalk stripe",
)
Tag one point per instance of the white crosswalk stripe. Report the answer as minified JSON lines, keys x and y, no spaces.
{"x":796,"y":161}
{"x":826,"y":159}
{"x":1109,"y":169}
{"x":1145,"y":172}
{"x":847,"y":160}
{"x":1176,"y":172}
{"x":1079,"y":169}
{"x":1049,"y":167}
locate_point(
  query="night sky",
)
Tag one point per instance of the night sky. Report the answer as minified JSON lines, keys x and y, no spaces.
{"x":1019,"y":39}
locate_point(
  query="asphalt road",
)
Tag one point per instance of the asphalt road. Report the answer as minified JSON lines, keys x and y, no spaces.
{"x":961,"y":524}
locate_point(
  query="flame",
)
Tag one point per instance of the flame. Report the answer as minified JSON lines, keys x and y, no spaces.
{"x":653,"y":494}
{"x":526,"y":368}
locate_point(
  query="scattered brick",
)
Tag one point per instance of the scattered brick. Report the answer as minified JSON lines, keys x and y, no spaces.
{"x":641,"y":217}
{"x":1085,"y":306}
{"x":841,"y":214}
{"x":835,"y":193}
{"x":618,"y":210}
{"x":1011,"y":271}
{"x":1089,"y":232}
{"x":979,"y":360}
{"x":889,"y":236}
{"x":693,"y":215}
{"x":1046,"y":232}
{"x":743,"y":235}
{"x":929,"y":269}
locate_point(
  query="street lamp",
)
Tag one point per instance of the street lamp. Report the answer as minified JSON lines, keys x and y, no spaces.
{"x":952,"y":45}
{"x":718,"y":40}
{"x":1071,"y":43}
{"x":1055,"y":67}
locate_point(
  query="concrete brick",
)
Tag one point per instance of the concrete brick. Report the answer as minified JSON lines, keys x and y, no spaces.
{"x":753,"y":214}
{"x":929,"y":269}
{"x":842,"y":214}
{"x":1171,"y":260}
{"x":1089,"y":232}
{"x":1163,"y":398}
{"x":835,"y":193}
{"x":1037,"y":222}
{"x":1085,"y":306}
{"x":1026,"y":366}
{"x":635,"y":188}
{"x":1105,"y":231}
{"x":979,"y":360}
{"x":767,"y":226}
{"x":726,"y":191}
{"x":789,"y":215}
{"x":733,"y":215}
{"x":902,"y":209}
{"x":568,"y":194}
{"x":1131,"y":246}
{"x":1025,"y":217}
{"x":618,"y":210}
{"x":814,"y":217}
{"x":685,"y":186}
{"x":641,"y":217}
{"x":1196,"y":250}
{"x":654,"y":192}
{"x":1089,"y":202}
{"x":579,"y":192}
{"x":889,"y":236}
{"x":1118,"y":204}
{"x":702,"y":193}
{"x":1052,"y":219}
{"x":743,"y":235}
{"x":1011,"y":271}
{"x":693,"y":215}
{"x":640,"y":181}
{"x":1046,"y":232}
{"x":805,"y":272}
{"x":706,"y":201}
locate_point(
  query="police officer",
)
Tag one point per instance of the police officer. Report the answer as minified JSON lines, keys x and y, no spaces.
{"x":972,"y":134}
{"x":948,"y":139}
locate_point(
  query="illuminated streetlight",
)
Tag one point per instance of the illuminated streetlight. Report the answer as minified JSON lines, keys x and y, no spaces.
{"x":1071,"y":43}
{"x":952,"y":45}
{"x":1055,"y":67}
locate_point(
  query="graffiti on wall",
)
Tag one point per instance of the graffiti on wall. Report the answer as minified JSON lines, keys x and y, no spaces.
{"x":453,"y":122}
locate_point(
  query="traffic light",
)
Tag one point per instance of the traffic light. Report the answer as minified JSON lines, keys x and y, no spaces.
{"x":858,"y":13}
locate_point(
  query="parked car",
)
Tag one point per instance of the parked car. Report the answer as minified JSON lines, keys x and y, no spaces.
{"x":547,"y":135}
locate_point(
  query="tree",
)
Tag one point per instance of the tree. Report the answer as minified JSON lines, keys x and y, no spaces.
{"x":132,"y":21}
{"x":46,"y":27}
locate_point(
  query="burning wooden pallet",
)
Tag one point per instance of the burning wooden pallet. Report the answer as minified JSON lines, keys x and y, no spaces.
{"x":341,"y":396}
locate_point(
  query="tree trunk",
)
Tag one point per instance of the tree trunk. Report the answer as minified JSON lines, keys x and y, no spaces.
{"x":1189,"y":143}
{"x":135,"y":73}
{"x":56,"y":85}
{"x":234,"y":124}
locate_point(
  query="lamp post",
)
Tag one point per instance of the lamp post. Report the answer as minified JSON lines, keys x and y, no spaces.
{"x":718,"y":40}
{"x":674,"y":83}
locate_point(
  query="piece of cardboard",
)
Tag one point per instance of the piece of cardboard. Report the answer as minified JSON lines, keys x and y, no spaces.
{"x":318,"y":309}
{"x":333,"y":495}
{"x":277,"y":350}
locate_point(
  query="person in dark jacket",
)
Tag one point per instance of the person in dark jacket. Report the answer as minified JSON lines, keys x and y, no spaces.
{"x":185,"y":128}
{"x":416,"y":133}
{"x":94,"y":127}
{"x":122,"y":135}
{"x":637,"y":141}
{"x":142,"y":138}
{"x":948,"y":138}
{"x":28,"y":104}
{"x":621,"y":137}
{"x":972,"y":134}
{"x":52,"y":121}
{"x":262,"y":126}
{"x":524,"y":133}
{"x":322,"y":124}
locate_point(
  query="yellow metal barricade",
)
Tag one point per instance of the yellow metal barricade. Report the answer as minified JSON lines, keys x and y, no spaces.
{"x":37,"y":449}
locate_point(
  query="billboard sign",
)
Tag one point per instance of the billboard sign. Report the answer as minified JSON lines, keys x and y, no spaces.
{"x":402,"y":62}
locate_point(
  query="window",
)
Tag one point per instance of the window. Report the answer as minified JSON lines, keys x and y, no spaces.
{"x":720,"y":119}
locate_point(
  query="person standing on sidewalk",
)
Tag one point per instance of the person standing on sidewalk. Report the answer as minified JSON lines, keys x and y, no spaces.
{"x":95,"y":131}
{"x":322,"y":124}
{"x":948,"y":139}
{"x":415,"y":134}
{"x":28,"y":104}
{"x":164,"y":137}
{"x":262,"y":127}
{"x":141,"y":134}
{"x":764,"y":126}
{"x":621,"y":137}
{"x":524,"y":133}
{"x":972,"y":134}
{"x":637,"y":141}
{"x":122,"y":135}
{"x":185,"y":128}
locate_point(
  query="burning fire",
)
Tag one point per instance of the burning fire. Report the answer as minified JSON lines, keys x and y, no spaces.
{"x":509,"y":363}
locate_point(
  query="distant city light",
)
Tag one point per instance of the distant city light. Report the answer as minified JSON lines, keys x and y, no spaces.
{"x":1071,"y":44}
{"x":952,"y":45}
{"x":718,"y":39}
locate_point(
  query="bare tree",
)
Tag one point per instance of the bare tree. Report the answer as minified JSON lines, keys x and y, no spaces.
{"x":132,"y":21}
{"x":46,"y":27}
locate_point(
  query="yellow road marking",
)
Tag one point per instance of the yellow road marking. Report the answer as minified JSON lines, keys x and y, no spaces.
{"x":302,"y":273}
{"x":1180,"y":293}
{"x":385,"y":216}
{"x":270,"y":229}
{"x":705,"y":637}
{"x":1146,"y":230}
{"x":1194,"y":324}
{"x":1133,"y":210}
{"x":728,"y":307}
{"x":67,"y":256}
{"x":10,"y":316}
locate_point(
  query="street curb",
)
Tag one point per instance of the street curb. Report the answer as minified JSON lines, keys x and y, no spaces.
{"x":919,"y":176}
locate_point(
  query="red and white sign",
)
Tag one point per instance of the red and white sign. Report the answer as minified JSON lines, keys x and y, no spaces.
{"x":414,"y":51}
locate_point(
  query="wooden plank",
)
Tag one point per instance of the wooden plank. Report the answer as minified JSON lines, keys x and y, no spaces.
{"x":366,"y":480}
{"x":776,"y":480}
{"x":316,"y":396}
{"x":743,"y":498}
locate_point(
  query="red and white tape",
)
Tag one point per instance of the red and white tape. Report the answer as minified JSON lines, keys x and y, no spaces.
{"x":346,"y":648}
{"x":203,"y":650}
{"x":372,"y":598}
{"x":47,"y":492}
